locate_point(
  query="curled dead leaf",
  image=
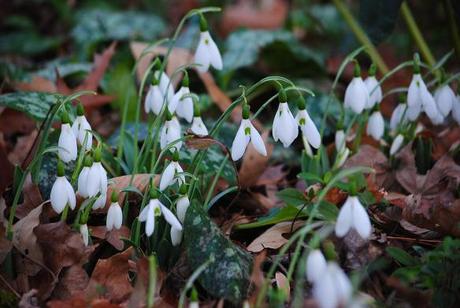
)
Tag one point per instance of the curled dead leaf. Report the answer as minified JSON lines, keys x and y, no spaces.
{"x":273,"y":237}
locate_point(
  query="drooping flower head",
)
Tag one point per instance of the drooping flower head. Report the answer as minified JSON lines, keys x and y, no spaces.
{"x":182,"y":103}
{"x":373,"y":88}
{"x":400,"y":115}
{"x":82,"y":184}
{"x":172,"y":173}
{"x":62,"y":192}
{"x":356,"y":94}
{"x":207,"y":54}
{"x":376,"y":125}
{"x":81,"y":129}
{"x":333,"y":288}
{"x":247,"y":133}
{"x":114,"y":214}
{"x":397,"y":144}
{"x":156,"y":208}
{"x":170,"y":132}
{"x":182,"y":203}
{"x":84,"y":233}
{"x":67,"y":143}
{"x":198,"y":126}
{"x":154,"y":99}
{"x":316,"y":265}
{"x":307,"y":126}
{"x":284,"y":125}
{"x":444,"y":97}
{"x":97,"y":176}
{"x":352,"y":215}
{"x":165,"y":84}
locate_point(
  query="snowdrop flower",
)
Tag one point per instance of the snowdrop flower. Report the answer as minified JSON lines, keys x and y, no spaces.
{"x":82,"y":183}
{"x":170,"y":132}
{"x":307,"y":126}
{"x":100,"y":201}
{"x":353,"y":215}
{"x":396,"y":145}
{"x":445,"y":99}
{"x":247,"y":133}
{"x":182,"y":206}
{"x":340,"y":140}
{"x":62,"y":192}
{"x":373,"y":88}
{"x":284,"y":125}
{"x":316,"y":265}
{"x":400,"y":114}
{"x":80,"y":129}
{"x":172,"y":173}
{"x":96,"y":181}
{"x":198,"y":127}
{"x":181,"y":103}
{"x":456,"y":109}
{"x":114,"y":214}
{"x":356,"y":95}
{"x":376,"y":125}
{"x":67,"y":143}
{"x":194,"y":299}
{"x":84,"y":233}
{"x":165,"y":84}
{"x":156,"y":208}
{"x":333,"y":288}
{"x":154,"y":99}
{"x":207,"y":52}
{"x":176,"y":236}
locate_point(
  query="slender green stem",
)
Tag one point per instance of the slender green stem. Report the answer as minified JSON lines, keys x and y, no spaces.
{"x":214,"y":181}
{"x":417,"y":34}
{"x":152,"y":281}
{"x":361,"y":35}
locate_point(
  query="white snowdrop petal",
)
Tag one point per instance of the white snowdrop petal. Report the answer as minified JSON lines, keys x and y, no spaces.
{"x":144,"y":213}
{"x":170,"y":218}
{"x":396,"y":145}
{"x":311,"y":132}
{"x":156,"y":103}
{"x":342,"y":157}
{"x":361,"y":221}
{"x":342,"y":285}
{"x":257,"y":141}
{"x":182,"y":205}
{"x":84,"y":233}
{"x":214,"y":55}
{"x":150,"y":220}
{"x":414,"y":91}
{"x":345,"y":218}
{"x":167,"y":176}
{"x":67,"y":144}
{"x":198,"y":127}
{"x":71,"y":200}
{"x":316,"y":266}
{"x":276,"y":123}
{"x":176,"y":236}
{"x":202,"y":54}
{"x":339,"y":140}
{"x":356,"y":96}
{"x":286,"y":128}
{"x":374,"y":90}
{"x":324,"y":292}
{"x":445,"y":99}
{"x":58,"y":195}
{"x":376,"y":126}
{"x":456,"y":109}
{"x":82,"y":182}
{"x":240,"y":142}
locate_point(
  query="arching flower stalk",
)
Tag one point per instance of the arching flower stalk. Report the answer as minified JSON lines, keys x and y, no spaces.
{"x":207,"y":54}
{"x":284,"y":125}
{"x":247,"y":133}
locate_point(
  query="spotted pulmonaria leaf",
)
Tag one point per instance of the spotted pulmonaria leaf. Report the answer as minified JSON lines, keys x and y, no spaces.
{"x":34,"y":104}
{"x":227,"y":276}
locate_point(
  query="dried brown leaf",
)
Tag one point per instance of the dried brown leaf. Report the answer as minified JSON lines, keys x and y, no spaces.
{"x":273,"y":237}
{"x":254,"y":164}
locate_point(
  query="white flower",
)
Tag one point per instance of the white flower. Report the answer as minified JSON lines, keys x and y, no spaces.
{"x":376,"y":125}
{"x":308,"y":128}
{"x":194,"y":304}
{"x":418,"y":97}
{"x":166,"y":87}
{"x":114,"y":216}
{"x":100,"y":201}
{"x":83,"y":182}
{"x":413,"y":112}
{"x":172,"y":174}
{"x":96,"y":181}
{"x":156,"y":208}
{"x":396,"y":145}
{"x":247,"y":133}
{"x":341,"y":158}
{"x":353,"y":215}
{"x":284,"y":125}
{"x":84,"y":233}
{"x":80,"y":129}
{"x":445,"y":99}
{"x":170,"y":132}
{"x":374,"y":90}
{"x":339,"y":140}
{"x":414,"y":93}
{"x":430,"y":108}
{"x":198,"y":127}
{"x":316,"y":265}
{"x":333,"y":288}
{"x":183,"y":106}
{"x":176,"y":236}
{"x":67,"y":144}
{"x":456,"y":109}
{"x":207,"y":53}
{"x":62,"y":193}
{"x":181,"y":208}
{"x":154,"y":100}
{"x":399,"y":116}
{"x":356,"y":95}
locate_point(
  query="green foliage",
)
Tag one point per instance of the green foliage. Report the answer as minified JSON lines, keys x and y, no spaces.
{"x":243,"y":48}
{"x":227,"y":276}
{"x":379,"y":17}
{"x":34,"y":104}
{"x":96,"y":25}
{"x":27,"y":43}
{"x":438,"y":269}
